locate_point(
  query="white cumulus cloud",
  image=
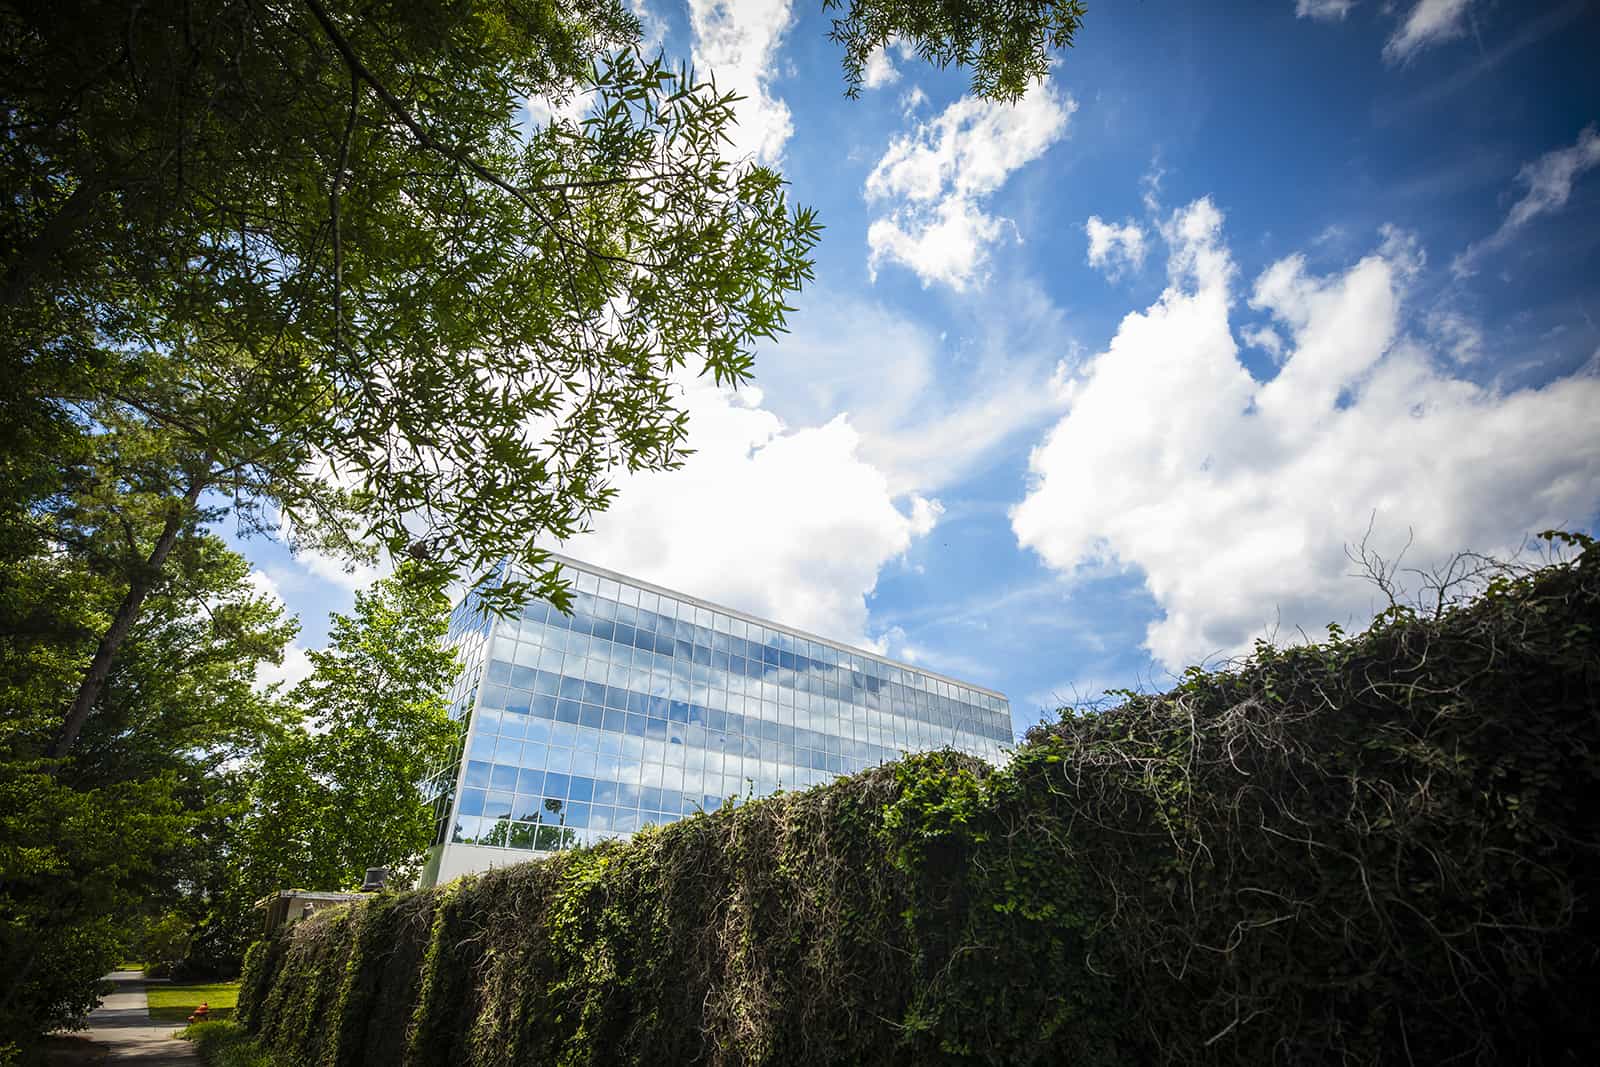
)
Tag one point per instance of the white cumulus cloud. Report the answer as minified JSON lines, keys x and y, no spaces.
{"x":1548,"y":181}
{"x":348,"y":575}
{"x":262,"y":585}
{"x":1114,"y":248}
{"x":792,"y":524}
{"x":1428,"y":23}
{"x":738,"y":43}
{"x":294,"y":669}
{"x":542,"y":111}
{"x":1236,"y":497}
{"x":296,"y":664}
{"x":880,"y":70}
{"x":934,"y":180}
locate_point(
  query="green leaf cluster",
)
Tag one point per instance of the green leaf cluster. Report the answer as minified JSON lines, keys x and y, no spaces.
{"x":1007,"y":46}
{"x":318,"y":252}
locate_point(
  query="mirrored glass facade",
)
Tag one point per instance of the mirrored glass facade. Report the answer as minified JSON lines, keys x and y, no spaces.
{"x":643,"y":706}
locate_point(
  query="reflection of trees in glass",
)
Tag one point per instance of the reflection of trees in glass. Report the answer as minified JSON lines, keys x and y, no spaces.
{"x":558,"y":835}
{"x":550,"y":838}
{"x":543,"y":833}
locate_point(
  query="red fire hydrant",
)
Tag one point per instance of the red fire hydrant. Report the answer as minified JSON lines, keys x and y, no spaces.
{"x":201,"y":1014}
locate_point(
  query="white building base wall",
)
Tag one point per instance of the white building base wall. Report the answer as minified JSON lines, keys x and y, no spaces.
{"x":455,"y":860}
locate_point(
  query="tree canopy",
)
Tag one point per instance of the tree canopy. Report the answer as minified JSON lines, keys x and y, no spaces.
{"x":325,"y":254}
{"x":92,"y":846}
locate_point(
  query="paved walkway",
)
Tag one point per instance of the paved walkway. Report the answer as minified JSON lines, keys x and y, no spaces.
{"x":122,"y":1023}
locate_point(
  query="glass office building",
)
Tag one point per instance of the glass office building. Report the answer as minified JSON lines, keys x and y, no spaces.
{"x":644,"y":705}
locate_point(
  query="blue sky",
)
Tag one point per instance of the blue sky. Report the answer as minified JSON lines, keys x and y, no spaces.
{"x":1104,"y":383}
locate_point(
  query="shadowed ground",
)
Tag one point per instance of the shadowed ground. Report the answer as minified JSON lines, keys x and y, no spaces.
{"x":123,"y":1027}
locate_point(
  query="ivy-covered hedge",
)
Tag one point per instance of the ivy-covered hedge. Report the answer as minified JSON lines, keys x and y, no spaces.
{"x":1381,"y":849}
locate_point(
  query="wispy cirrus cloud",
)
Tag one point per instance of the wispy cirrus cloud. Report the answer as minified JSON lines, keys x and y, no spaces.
{"x":1323,"y":10}
{"x":1429,"y":22}
{"x":931,"y":410}
{"x":1548,"y":181}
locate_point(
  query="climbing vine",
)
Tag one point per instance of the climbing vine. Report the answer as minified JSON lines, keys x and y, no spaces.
{"x":1378,"y":848}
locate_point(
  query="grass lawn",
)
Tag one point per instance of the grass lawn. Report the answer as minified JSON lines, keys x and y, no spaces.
{"x":174,"y":1003}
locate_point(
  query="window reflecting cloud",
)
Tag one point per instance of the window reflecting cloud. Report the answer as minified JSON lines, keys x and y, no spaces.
{"x":639,"y":708}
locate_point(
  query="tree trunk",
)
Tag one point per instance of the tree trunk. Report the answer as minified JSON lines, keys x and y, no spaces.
{"x":127,"y":614}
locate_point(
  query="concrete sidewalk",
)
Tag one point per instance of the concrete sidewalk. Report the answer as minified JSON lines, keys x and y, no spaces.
{"x":122,"y":1023}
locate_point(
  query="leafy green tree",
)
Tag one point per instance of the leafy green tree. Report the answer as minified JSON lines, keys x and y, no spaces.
{"x":332,"y":276}
{"x":312,"y":260}
{"x":90,"y":846}
{"x":164,"y":940}
{"x":75,"y":865}
{"x":339,"y":793}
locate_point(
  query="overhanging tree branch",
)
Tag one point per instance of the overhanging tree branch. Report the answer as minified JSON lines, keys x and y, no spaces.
{"x":333,"y":210}
{"x":427,"y":140}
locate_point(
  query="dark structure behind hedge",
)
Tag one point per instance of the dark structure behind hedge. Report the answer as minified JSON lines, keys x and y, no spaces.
{"x":1382,"y":849}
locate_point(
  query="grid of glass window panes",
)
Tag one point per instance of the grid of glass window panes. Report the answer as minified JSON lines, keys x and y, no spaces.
{"x":468,"y":633}
{"x":640,"y":708}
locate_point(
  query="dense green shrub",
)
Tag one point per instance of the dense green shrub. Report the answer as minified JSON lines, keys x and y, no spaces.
{"x":223,"y":1043}
{"x":1377,"y":849}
